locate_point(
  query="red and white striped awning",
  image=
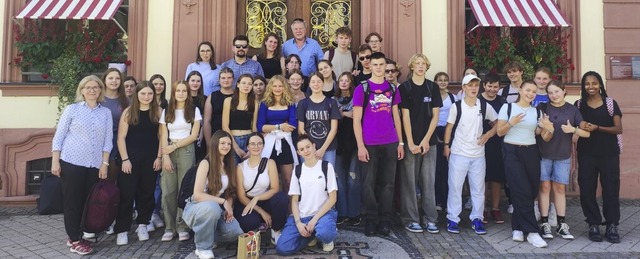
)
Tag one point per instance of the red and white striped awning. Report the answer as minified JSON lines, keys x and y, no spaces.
{"x":70,"y":9}
{"x":517,"y":13}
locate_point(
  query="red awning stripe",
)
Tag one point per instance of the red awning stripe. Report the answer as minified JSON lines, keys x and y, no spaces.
{"x":517,"y":13}
{"x":70,"y":9}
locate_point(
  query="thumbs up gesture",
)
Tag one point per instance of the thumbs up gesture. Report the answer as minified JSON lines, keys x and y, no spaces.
{"x":568,"y":128}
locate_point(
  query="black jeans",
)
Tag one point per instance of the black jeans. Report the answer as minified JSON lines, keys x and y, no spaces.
{"x":522,"y":167}
{"x":379,"y":179}
{"x":608,"y":169}
{"x":76,"y":182}
{"x":139,"y":185}
{"x":442,"y":171}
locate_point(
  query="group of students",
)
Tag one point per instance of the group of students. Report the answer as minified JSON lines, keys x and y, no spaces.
{"x":326,"y":143}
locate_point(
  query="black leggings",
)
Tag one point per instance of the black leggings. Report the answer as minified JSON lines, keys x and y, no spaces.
{"x":76,"y":182}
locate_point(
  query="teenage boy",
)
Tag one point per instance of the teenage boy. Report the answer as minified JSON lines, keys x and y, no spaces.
{"x":363,"y":71}
{"x":466,"y":153}
{"x":376,"y":125}
{"x":240,"y":64}
{"x":421,"y":102}
{"x":342,"y":59}
{"x":514,"y":70}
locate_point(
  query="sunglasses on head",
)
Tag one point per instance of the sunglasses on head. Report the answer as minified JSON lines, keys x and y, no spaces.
{"x":241,"y":46}
{"x":365,"y":57}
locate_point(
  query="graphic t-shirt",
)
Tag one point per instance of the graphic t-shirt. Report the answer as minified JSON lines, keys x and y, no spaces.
{"x":317,"y":119}
{"x":377,"y":122}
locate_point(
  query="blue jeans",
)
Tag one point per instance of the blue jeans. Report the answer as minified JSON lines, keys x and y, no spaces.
{"x":349,"y":182}
{"x":242,"y":144}
{"x":555,"y":170}
{"x":157,"y":195}
{"x":291,"y":241}
{"x":207,"y":222}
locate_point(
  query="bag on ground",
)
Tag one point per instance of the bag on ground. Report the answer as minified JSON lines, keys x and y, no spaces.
{"x":249,"y":245}
{"x":50,"y":201}
{"x":101,"y":207}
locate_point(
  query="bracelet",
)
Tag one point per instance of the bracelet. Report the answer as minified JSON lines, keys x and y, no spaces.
{"x":159,"y":157}
{"x":446,"y":144}
{"x":298,"y":221}
{"x":105,"y":163}
{"x":125,"y":159}
{"x":401,"y":143}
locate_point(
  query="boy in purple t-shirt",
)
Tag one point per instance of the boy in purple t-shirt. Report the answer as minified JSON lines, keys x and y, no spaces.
{"x":376,"y":123}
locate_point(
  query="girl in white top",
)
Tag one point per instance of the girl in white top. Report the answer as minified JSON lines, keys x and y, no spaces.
{"x":179,"y":127}
{"x":210,"y":211}
{"x":260,"y":202}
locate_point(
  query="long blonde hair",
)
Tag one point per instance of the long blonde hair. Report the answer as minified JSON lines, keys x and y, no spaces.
{"x":287,"y":96}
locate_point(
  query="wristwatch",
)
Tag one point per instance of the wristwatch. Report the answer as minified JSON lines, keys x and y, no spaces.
{"x":277,"y":126}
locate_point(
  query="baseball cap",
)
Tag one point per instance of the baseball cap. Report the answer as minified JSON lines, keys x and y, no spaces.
{"x":469,"y":78}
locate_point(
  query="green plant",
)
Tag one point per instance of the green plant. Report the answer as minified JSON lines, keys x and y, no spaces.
{"x":66,"y":69}
{"x":547,"y":47}
{"x":489,"y":48}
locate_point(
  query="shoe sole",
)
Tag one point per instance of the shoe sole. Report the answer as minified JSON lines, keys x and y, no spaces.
{"x":453,"y":231}
{"x":433,"y":231}
{"x":547,"y":237}
{"x":143,"y":238}
{"x":498,"y":221}
{"x":74,"y":251}
{"x":414,"y":230}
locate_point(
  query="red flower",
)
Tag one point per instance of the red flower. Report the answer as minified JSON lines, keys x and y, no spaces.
{"x":45,"y":76}
{"x":128,"y":62}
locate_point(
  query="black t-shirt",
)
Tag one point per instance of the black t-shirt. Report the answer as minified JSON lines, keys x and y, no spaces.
{"x":599,"y":143}
{"x":362,"y":77}
{"x":270,"y":66}
{"x":494,"y":142}
{"x":420,"y":100}
{"x":217,"y":102}
{"x":317,"y":119}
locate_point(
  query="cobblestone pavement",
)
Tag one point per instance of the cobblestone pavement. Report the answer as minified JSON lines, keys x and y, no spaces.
{"x":25,"y":234}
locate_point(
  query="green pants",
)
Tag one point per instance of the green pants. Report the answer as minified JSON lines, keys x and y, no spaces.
{"x":182,"y":159}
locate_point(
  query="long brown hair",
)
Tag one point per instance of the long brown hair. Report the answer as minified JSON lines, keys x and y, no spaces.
{"x":134,"y":111}
{"x":251,"y":97}
{"x":276,"y":52}
{"x":216,"y":164}
{"x":122,"y":97}
{"x":189,"y":111}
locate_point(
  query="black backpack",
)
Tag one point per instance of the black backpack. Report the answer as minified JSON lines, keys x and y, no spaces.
{"x":186,"y":186}
{"x":354,"y":59}
{"x":483,"y":111}
{"x":261,"y":168}
{"x":325,"y":168}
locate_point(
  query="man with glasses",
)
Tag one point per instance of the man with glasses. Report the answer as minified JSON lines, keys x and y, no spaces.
{"x":363,"y":71}
{"x":307,"y":48}
{"x":240,"y":64}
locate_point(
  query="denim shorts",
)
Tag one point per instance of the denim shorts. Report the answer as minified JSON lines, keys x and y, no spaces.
{"x":555,"y":170}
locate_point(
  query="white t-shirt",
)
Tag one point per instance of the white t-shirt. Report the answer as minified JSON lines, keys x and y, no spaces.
{"x":469,"y":128}
{"x":512,"y":96}
{"x":180,"y":128}
{"x":312,"y":183}
{"x":444,"y":110}
{"x":524,"y":132}
{"x":249,"y":176}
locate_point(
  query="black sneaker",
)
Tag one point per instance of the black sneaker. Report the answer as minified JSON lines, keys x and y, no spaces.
{"x":383,"y":228}
{"x":370,"y":228}
{"x":341,"y":220}
{"x":594,"y":233}
{"x":612,"y":234}
{"x":355,"y":221}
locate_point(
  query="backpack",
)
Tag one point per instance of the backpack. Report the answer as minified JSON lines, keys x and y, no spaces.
{"x":609,"y":103}
{"x":261,"y":168}
{"x":409,"y":85}
{"x":50,"y":201}
{"x":325,"y":168}
{"x":367,"y":93}
{"x":101,"y":207}
{"x":332,"y":52}
{"x":509,"y":111}
{"x":458,"y":104}
{"x":186,"y":186}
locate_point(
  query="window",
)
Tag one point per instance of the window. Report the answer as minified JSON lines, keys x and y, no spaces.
{"x":37,"y":170}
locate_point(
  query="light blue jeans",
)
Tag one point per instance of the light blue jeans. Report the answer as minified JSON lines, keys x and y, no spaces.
{"x":206,"y":219}
{"x":242,"y":144}
{"x":291,"y":241}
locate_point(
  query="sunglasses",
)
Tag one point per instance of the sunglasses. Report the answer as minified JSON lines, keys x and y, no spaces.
{"x":390,"y":71}
{"x":365,"y":57}
{"x":241,"y":46}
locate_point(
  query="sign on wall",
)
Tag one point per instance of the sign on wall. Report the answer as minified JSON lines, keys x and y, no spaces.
{"x":625,"y":67}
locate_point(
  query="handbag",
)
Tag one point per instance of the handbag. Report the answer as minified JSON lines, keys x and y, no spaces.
{"x":249,"y":245}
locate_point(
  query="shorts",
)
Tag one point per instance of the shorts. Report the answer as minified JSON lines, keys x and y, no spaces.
{"x":285,"y":157}
{"x":555,"y":170}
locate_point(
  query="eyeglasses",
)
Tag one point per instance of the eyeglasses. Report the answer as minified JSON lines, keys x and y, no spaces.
{"x":255,"y":144}
{"x":364,"y":57}
{"x":205,"y":51}
{"x":375,"y":41}
{"x":92,"y":89}
{"x":241,"y":46}
{"x":390,"y":71}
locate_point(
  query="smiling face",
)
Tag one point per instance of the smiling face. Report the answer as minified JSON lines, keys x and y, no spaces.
{"x":443,"y":82}
{"x":514,"y":75}
{"x":315,"y":83}
{"x":271,"y":43}
{"x":592,"y":86}
{"x":129,"y":87}
{"x":295,"y":81}
{"x":325,"y":69}
{"x":226,"y":80}
{"x":542,"y":79}
{"x":306,"y":149}
{"x":255,"y":145}
{"x":182,"y":93}
{"x":224,"y":146}
{"x":299,"y":30}
{"x":145,"y":96}
{"x":245,"y":85}
{"x":277,"y":88}
{"x":195,"y":82}
{"x":528,"y":92}
{"x":258,"y":87}
{"x":158,"y":84}
{"x":556,"y":94}
{"x":91,"y":91}
{"x":205,"y":52}
{"x":491,"y":89}
{"x":112,"y":81}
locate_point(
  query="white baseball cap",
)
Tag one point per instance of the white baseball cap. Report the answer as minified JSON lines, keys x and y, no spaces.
{"x":468,"y":78}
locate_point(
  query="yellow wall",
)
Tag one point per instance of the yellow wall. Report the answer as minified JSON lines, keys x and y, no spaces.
{"x":592,"y":55}
{"x":434,"y":35}
{"x":160,"y":40}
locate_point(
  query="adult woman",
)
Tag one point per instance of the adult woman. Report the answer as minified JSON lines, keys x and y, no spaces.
{"x":325,"y":69}
{"x":160,"y":85}
{"x":270,"y":58}
{"x":194,"y":78}
{"x":348,"y":176}
{"x":542,"y":78}
{"x":180,"y":126}
{"x":215,"y":101}
{"x":259,"y":85}
{"x":442,"y":165}
{"x":518,"y":122}
{"x":599,"y":156}
{"x":80,"y":154}
{"x":318,"y":118}
{"x":392,"y":72}
{"x":556,"y":157}
{"x":209,"y":212}
{"x":138,"y":144}
{"x":130,"y":83}
{"x":295,"y":79}
{"x":206,"y":65}
{"x":259,"y":197}
{"x":242,"y":107}
{"x":116,"y":101}
{"x":277,"y":119}
{"x":375,"y":41}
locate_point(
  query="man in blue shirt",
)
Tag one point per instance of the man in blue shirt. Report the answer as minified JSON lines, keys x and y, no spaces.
{"x":240,"y":64}
{"x":307,"y":48}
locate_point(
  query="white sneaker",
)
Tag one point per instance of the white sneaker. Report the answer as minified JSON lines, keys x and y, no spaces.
{"x":167,"y":236}
{"x":183,"y":236}
{"x":536,"y":240}
{"x":150,"y":227}
{"x":275,"y":235}
{"x":510,"y":209}
{"x":553,"y":216}
{"x":122,"y":239}
{"x":156,"y":220}
{"x":327,"y":247}
{"x":110,"y":230}
{"x":88,"y":235}
{"x":518,"y":236}
{"x":143,"y":235}
{"x":204,"y":254}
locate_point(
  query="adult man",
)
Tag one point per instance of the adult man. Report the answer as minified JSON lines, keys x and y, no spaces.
{"x":240,"y":64}
{"x":376,"y":125}
{"x":308,"y":49}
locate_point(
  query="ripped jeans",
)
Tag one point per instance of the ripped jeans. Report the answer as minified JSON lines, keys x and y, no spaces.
{"x":349,"y":181}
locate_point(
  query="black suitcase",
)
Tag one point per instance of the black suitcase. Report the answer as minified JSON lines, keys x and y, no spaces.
{"x":50,"y":201}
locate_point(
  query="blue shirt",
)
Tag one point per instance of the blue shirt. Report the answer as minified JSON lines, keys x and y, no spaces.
{"x":83,"y":134}
{"x":523,"y":132}
{"x":310,"y":54}
{"x":250,"y":66}
{"x":209,"y":76}
{"x":540,"y":98}
{"x":273,"y":117}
